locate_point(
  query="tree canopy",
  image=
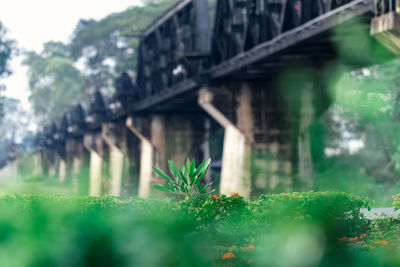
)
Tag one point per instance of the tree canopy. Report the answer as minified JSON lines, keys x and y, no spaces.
{"x":102,"y":48}
{"x":7,"y":48}
{"x":54,"y":82}
{"x":107,"y":47}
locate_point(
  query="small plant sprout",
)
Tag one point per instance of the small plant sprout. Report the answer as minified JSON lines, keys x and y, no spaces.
{"x":186,"y":179}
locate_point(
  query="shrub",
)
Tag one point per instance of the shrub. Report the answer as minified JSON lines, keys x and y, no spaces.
{"x":214,"y":231}
{"x":187,"y":180}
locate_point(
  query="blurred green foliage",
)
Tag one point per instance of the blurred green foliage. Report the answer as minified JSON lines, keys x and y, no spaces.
{"x":7,"y":48}
{"x":365,"y":113}
{"x":55,"y":84}
{"x":296,"y":229}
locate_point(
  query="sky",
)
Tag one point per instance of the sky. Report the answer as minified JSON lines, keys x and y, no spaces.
{"x":33,"y":22}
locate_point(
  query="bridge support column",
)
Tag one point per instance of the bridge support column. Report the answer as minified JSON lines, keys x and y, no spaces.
{"x":162,"y":138}
{"x":75,"y":150}
{"x":265,"y":149}
{"x":94,"y":144}
{"x":37,"y":165}
{"x":386,"y":29}
{"x":62,"y":170}
{"x":138,"y":127}
{"x":115,"y":137}
{"x":50,"y":162}
{"x":123,"y":151}
{"x":235,"y":176}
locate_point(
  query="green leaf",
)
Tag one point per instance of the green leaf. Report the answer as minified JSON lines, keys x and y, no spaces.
{"x":162,"y":188}
{"x":183,"y":178}
{"x":188,"y":165}
{"x":192,"y":167}
{"x":201,"y":176}
{"x":182,"y":168}
{"x":173,"y":169}
{"x":205,"y":188}
{"x":162,"y":174}
{"x":204,"y":165}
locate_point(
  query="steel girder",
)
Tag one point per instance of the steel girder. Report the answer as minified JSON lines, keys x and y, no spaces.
{"x":174,"y":48}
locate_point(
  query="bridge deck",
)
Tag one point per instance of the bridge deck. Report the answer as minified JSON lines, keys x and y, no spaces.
{"x":255,"y":61}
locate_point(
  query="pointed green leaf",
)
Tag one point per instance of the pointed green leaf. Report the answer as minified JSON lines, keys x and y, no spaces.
{"x":205,"y":188}
{"x":183,"y":178}
{"x":182,"y":168}
{"x":203,"y":166}
{"x":188,"y":165}
{"x":162,"y":174}
{"x":173,"y":169}
{"x":162,"y":188}
{"x":201,"y":176}
{"x":192,"y":167}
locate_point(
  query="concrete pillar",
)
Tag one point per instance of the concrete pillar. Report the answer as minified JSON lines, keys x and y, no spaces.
{"x":122,"y":146}
{"x":308,"y":115}
{"x":37,"y":165}
{"x":94,"y":144}
{"x":146,"y":156}
{"x":265,"y":148}
{"x":234,"y":173}
{"x":75,"y":156}
{"x":386,"y":29}
{"x":175,"y":136}
{"x":62,"y":170}
{"x":60,"y":164}
{"x":9,"y":171}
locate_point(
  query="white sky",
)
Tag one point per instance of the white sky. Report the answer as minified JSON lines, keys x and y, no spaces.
{"x":34,"y":22}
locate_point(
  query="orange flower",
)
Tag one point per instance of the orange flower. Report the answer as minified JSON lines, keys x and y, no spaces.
{"x":371,"y":247}
{"x":283,"y":194}
{"x":243,"y":249}
{"x":251,"y":247}
{"x":215,"y":197}
{"x":343,"y":239}
{"x":235,"y":194}
{"x":364,"y":246}
{"x":228,"y":255}
{"x":292,"y":196}
{"x":230,"y":249}
{"x":383,"y":242}
{"x":250,"y":261}
{"x":353,"y":239}
{"x":362,"y":236}
{"x":360,"y":243}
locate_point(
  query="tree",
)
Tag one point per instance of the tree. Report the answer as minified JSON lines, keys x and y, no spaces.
{"x":108,"y":46}
{"x":7,"y":49}
{"x":54,"y":82}
{"x":367,"y":112}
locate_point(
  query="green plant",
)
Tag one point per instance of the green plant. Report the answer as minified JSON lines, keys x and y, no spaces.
{"x":186,"y":180}
{"x":396,"y":202}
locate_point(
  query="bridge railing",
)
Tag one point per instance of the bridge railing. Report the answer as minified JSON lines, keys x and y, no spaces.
{"x":174,"y":48}
{"x":243,"y":24}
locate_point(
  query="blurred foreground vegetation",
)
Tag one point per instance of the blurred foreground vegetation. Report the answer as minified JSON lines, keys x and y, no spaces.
{"x":296,"y":229}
